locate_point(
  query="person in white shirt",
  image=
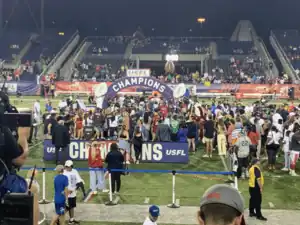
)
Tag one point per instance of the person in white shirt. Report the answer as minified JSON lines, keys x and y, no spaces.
{"x":273,"y":144}
{"x":153,"y":215}
{"x":286,"y":150}
{"x":80,"y":184}
{"x":73,"y":180}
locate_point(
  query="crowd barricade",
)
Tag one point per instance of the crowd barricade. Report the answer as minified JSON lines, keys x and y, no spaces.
{"x":173,"y":204}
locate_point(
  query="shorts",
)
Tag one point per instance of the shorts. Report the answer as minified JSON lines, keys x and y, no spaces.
{"x":243,"y":162}
{"x":60,"y":208}
{"x":207,"y":140}
{"x":98,"y":129}
{"x":191,"y":136}
{"x":72,"y":203}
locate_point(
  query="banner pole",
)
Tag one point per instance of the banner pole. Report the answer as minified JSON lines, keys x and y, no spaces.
{"x":173,"y":205}
{"x":44,"y":201}
{"x":110,"y":202}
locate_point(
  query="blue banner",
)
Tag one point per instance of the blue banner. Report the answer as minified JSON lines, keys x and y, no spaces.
{"x":152,"y":152}
{"x":165,"y":152}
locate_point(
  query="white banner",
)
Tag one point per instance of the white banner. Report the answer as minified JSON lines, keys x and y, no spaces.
{"x":138,"y":73}
{"x":11,"y":87}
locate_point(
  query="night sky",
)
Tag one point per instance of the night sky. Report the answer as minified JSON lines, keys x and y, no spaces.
{"x":167,"y":17}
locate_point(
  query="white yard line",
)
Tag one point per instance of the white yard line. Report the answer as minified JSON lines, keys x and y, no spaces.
{"x":147,"y":200}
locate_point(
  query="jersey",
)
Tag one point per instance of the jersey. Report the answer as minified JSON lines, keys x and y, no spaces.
{"x":60,"y":184}
{"x":243,"y":143}
{"x":72,"y":180}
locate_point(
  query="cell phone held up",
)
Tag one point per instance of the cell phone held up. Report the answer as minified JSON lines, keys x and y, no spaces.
{"x":13,"y":120}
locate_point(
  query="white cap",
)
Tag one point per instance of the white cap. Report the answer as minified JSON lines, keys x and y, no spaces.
{"x":69,"y":163}
{"x":52,"y":112}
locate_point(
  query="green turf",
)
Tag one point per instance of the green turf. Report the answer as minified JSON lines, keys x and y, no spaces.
{"x":282,"y":192}
{"x":108,"y":223}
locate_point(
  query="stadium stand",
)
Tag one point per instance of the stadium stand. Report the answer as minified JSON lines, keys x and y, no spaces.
{"x":290,"y":43}
{"x":12,"y":42}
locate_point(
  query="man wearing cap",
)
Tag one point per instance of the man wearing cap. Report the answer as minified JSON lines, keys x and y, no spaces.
{"x":221,"y":204}
{"x":60,"y":195}
{"x":256,"y":183}
{"x":153,"y":215}
{"x":73,"y":179}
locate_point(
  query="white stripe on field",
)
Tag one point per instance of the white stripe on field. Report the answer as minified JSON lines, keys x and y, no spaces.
{"x":30,"y":147}
{"x":271,"y":205}
{"x":225,"y":165}
{"x":147,"y":200}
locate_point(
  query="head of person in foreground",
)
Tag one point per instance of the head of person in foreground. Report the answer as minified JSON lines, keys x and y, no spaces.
{"x":221,"y":205}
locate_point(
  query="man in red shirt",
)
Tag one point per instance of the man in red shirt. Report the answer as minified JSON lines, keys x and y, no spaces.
{"x":163,"y":110}
{"x":95,"y":163}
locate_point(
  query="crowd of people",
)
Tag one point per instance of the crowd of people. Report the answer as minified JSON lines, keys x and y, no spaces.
{"x":244,"y":134}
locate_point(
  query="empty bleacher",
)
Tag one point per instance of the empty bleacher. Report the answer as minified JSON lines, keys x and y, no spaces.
{"x":12,"y":42}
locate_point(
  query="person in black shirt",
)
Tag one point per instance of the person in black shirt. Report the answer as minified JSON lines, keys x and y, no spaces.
{"x":115,"y":160}
{"x":209,"y":130}
{"x":61,"y":140}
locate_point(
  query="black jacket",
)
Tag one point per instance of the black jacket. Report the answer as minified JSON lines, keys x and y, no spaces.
{"x":295,"y":143}
{"x":114,"y":160}
{"x":60,"y":136}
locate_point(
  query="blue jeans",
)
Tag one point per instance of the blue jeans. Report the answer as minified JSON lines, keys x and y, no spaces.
{"x":287,"y":160}
{"x":97,"y":180}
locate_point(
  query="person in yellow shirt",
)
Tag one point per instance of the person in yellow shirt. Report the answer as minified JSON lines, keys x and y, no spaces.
{"x":256,"y":183}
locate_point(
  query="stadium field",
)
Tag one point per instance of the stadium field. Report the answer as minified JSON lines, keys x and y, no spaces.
{"x":281,"y":191}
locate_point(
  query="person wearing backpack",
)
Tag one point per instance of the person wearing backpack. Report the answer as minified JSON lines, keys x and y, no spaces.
{"x":174,"y":128}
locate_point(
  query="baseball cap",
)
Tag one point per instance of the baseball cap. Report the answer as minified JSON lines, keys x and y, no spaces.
{"x":69,"y":163}
{"x":154,"y":210}
{"x":59,"y":168}
{"x":223,"y":194}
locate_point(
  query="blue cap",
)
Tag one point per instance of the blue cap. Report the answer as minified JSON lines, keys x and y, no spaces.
{"x":154,"y":211}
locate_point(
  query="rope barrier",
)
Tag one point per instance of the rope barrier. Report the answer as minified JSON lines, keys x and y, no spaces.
{"x":111,"y":201}
{"x":141,"y":171}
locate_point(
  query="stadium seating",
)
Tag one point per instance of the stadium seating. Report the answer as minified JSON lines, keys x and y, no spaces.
{"x":47,"y":45}
{"x":152,"y":47}
{"x":226,"y":47}
{"x":290,"y":43}
{"x":11,"y":43}
{"x":101,"y":47}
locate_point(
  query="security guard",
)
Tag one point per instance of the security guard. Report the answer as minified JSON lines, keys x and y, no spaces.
{"x":256,"y":183}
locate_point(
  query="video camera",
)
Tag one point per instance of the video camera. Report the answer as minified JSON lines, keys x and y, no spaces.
{"x":15,"y":208}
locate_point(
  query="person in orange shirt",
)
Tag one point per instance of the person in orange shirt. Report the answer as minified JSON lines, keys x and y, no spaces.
{"x":254,"y":138}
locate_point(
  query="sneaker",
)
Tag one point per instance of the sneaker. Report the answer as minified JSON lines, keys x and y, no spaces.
{"x":105,"y":190}
{"x":71,"y":222}
{"x":285,"y":169}
{"x":252,"y":214}
{"x":116,"y":193}
{"x":127,"y":162}
{"x":95,"y":192}
{"x":205,"y":156}
{"x":293,"y":173}
{"x":261,"y":218}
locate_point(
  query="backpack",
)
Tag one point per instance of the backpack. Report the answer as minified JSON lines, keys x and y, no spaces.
{"x":11,"y":182}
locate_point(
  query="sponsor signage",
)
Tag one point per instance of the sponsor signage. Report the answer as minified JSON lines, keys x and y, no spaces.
{"x":138,"y":73}
{"x":152,"y":152}
{"x":77,"y":149}
{"x":165,"y":152}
